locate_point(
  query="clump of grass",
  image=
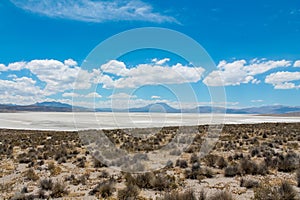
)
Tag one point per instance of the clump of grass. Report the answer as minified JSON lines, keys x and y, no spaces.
{"x":286,"y":191}
{"x":59,"y":190}
{"x":202,"y":195}
{"x":31,"y":175}
{"x":97,"y":163}
{"x":211,"y":160}
{"x":181,"y":163}
{"x":153,"y":181}
{"x":54,"y":170}
{"x":247,"y":166}
{"x":175,"y":195}
{"x":282,"y":192}
{"x":46,"y":184}
{"x":104,"y":189}
{"x":130,"y":192}
{"x":194,"y":158}
{"x":289,"y":162}
{"x":221,"y":162}
{"x":248,"y":183}
{"x":231,"y":171}
{"x":298,"y":177}
{"x":221,"y":195}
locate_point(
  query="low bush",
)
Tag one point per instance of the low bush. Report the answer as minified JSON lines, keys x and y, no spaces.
{"x":269,"y":192}
{"x":231,"y":171}
{"x":59,"y":190}
{"x":175,"y":195}
{"x":31,"y":175}
{"x":249,"y":183}
{"x":221,"y":195}
{"x":130,"y":192}
{"x":221,"y":162}
{"x":298,"y":177}
{"x":288,"y":163}
{"x":181,"y":163}
{"x":104,"y":189}
{"x":46,"y":184}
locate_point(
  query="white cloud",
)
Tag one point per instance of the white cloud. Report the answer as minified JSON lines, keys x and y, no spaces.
{"x":122,"y":96}
{"x":148,"y":74}
{"x":283,"y":80}
{"x":16,"y":66}
{"x":70,"y":94}
{"x":115,"y":67}
{"x":93,"y":95}
{"x":94,"y":11}
{"x":155,"y":97}
{"x":20,"y":90}
{"x":239,"y":72}
{"x":257,"y":101}
{"x":70,"y":62}
{"x":297,"y":63}
{"x":160,"y":62}
{"x":262,"y":66}
{"x":57,"y":76}
{"x":90,"y":95}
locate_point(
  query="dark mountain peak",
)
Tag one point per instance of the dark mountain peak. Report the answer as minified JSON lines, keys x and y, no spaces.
{"x":52,"y":104}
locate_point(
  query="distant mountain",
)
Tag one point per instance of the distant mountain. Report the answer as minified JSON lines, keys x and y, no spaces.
{"x":156,"y":107}
{"x":41,"y":107}
{"x":52,"y":104}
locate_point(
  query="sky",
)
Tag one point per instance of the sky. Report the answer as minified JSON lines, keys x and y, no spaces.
{"x":45,"y":48}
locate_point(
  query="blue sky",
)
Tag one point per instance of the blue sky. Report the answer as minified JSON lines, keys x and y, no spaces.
{"x":254,"y":44}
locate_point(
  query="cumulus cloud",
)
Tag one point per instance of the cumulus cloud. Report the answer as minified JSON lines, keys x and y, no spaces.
{"x":239,"y":72}
{"x":89,"y":95}
{"x":122,"y":96}
{"x":257,"y":101}
{"x":16,"y":66}
{"x":70,"y":62}
{"x":70,"y":94}
{"x":55,"y":75}
{"x":19,"y":90}
{"x":94,"y":11}
{"x":297,"y":63}
{"x":160,"y":62}
{"x":155,"y":97}
{"x":115,"y":67}
{"x":58,"y":76}
{"x":148,"y":74}
{"x":283,"y":80}
{"x":93,"y":95}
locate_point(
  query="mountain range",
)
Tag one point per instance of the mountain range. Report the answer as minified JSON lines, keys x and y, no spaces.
{"x":157,"y":107}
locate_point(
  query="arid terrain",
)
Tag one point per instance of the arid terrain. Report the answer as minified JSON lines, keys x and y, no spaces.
{"x":249,"y":161}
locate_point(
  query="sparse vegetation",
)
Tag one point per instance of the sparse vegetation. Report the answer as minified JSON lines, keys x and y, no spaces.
{"x":175,"y":195}
{"x":245,"y":152}
{"x":248,"y":183}
{"x":31,"y":175}
{"x":224,"y":195}
{"x":59,"y":190}
{"x":298,"y":177}
{"x":130,"y":192}
{"x":269,"y":192}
